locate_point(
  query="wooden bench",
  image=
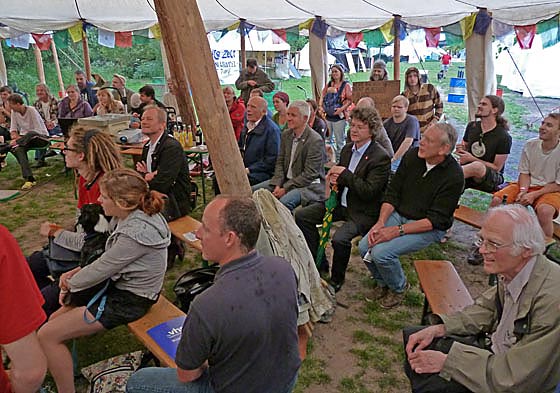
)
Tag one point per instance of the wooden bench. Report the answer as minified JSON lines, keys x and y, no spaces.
{"x":160,"y":312}
{"x":181,"y":226}
{"x":445,"y":292}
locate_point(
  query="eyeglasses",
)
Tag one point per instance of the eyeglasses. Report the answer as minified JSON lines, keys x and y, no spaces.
{"x":66,"y":148}
{"x":488,"y":244}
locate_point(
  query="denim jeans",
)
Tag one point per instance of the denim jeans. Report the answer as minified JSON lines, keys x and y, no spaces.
{"x":337,"y":137}
{"x":291,"y":199}
{"x":164,"y":380}
{"x":386,"y":267}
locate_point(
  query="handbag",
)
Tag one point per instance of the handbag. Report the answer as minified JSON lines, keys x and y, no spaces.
{"x":59,"y":259}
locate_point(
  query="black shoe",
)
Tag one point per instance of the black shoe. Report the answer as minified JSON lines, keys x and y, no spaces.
{"x":336,"y":285}
{"x":475,"y":257}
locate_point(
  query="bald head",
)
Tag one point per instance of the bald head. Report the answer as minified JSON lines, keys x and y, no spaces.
{"x":256,"y":108}
{"x":365,"y":102}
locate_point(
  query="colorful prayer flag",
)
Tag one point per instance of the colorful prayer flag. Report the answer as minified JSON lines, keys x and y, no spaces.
{"x":354,"y":39}
{"x":432,"y":36}
{"x":43,"y":41}
{"x":61,"y":39}
{"x":156,"y":31}
{"x":387,"y":31}
{"x":281,"y":33}
{"x":467,"y":25}
{"x":549,"y":30}
{"x":319,"y":27}
{"x":123,"y":39}
{"x":76,"y":32}
{"x":482,"y":22}
{"x":106,"y":38}
{"x":374,"y":38}
{"x":525,"y":35}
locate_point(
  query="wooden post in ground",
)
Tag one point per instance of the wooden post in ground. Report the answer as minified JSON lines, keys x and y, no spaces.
{"x":243,"y":57}
{"x":58,"y":73}
{"x":186,"y":32}
{"x":178,"y":74}
{"x":39,"y":62}
{"x":396,"y":50}
{"x":87,"y":63}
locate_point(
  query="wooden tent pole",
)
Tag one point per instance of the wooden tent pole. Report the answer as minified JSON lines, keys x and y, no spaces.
{"x":87,"y":63}
{"x":57,"y":66}
{"x":243,"y":51}
{"x":178,"y":75}
{"x":186,"y":31}
{"x":396,"y":50}
{"x":39,"y":61}
{"x":3,"y":73}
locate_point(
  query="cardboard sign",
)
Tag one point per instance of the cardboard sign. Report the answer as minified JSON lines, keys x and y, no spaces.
{"x":382,"y":93}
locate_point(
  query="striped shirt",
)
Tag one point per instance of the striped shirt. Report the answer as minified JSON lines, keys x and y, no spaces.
{"x":425,"y":105}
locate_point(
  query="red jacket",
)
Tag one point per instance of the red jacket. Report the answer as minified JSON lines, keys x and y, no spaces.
{"x":237,"y":116}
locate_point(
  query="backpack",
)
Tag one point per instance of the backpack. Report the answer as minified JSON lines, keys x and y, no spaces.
{"x":193,"y":283}
{"x":333,"y":101}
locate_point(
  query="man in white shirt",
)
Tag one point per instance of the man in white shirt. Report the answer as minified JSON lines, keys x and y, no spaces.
{"x":27,"y":131}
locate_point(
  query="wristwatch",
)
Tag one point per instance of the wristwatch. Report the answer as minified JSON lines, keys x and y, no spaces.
{"x":401,"y":230}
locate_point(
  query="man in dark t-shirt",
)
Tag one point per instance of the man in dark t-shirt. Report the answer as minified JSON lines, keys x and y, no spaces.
{"x":485,"y":147}
{"x":240,"y":335}
{"x":403,"y":129}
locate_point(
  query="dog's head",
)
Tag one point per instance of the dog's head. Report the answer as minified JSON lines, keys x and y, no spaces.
{"x":92,"y":219}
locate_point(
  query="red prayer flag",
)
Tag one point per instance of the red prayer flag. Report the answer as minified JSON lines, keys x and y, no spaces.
{"x":43,"y":41}
{"x":525,"y":35}
{"x":281,"y":33}
{"x":123,"y":39}
{"x":354,"y":39}
{"x":432,"y":36}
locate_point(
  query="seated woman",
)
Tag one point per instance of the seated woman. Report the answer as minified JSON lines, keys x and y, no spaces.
{"x":92,"y":153}
{"x":133,"y":264}
{"x":107,"y":103}
{"x":73,"y":106}
{"x":281,"y":101}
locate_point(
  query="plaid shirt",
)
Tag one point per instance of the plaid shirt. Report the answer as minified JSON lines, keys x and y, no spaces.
{"x":53,"y":113}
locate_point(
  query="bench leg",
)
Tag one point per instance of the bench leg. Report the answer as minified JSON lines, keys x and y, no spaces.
{"x":425,"y":312}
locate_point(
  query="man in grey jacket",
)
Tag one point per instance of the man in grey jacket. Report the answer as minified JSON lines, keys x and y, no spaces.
{"x":299,"y":173}
{"x":520,"y":316}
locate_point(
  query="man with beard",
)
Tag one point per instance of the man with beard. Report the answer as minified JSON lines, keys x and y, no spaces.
{"x":86,"y":88}
{"x":484,"y":151}
{"x":379,"y":71}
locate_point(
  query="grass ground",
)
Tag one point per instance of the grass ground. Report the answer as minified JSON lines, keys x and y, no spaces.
{"x":359,"y":351}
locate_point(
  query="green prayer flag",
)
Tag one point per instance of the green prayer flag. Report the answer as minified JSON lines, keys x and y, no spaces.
{"x":452,"y":39}
{"x":139,"y":40}
{"x":549,"y":30}
{"x":374,"y":38}
{"x":292,"y":37}
{"x":61,"y":39}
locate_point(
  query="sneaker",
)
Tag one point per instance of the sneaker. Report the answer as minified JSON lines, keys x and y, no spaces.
{"x":475,"y":257}
{"x":28,"y":185}
{"x":394,"y":299}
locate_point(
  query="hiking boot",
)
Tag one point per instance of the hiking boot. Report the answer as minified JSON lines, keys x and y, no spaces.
{"x":28,"y":185}
{"x":394,"y":299}
{"x":475,"y":257}
{"x":379,"y":293}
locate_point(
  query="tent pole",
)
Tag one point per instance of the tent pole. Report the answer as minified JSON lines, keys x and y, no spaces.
{"x":57,"y":66}
{"x":396,"y":49}
{"x":185,"y":30}
{"x":3,"y":73}
{"x":177,"y":73}
{"x":318,"y":59}
{"x":164,"y":60}
{"x":85,"y":48}
{"x":242,"y":38}
{"x":39,"y":61}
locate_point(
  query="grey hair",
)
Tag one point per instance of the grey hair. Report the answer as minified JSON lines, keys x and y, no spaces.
{"x":449,"y":135}
{"x":527,"y":232}
{"x":302,"y":107}
{"x":365,"y":102}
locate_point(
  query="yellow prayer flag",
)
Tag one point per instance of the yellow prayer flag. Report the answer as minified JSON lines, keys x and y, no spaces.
{"x":156,"y":31}
{"x":467,"y":25}
{"x":76,"y":32}
{"x":233,"y":27}
{"x":387,"y":31}
{"x":306,"y":25}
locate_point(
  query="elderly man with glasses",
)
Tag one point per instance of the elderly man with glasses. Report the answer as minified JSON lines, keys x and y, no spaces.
{"x":518,"y":319}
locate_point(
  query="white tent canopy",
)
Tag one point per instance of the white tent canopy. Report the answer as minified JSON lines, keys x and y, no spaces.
{"x":34,"y":16}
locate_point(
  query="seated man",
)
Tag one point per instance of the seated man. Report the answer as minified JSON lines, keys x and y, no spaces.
{"x":87,"y":92}
{"x":403,"y":129}
{"x":539,"y":175}
{"x":417,"y":210}
{"x":240,"y":335}
{"x":520,"y":316}
{"x":165,"y":168}
{"x":360,"y":177}
{"x":125,"y":94}
{"x":381,"y":136}
{"x":259,"y":142}
{"x":148,"y":97}
{"x":27,"y":131}
{"x":299,"y":173}
{"x":485,"y":147}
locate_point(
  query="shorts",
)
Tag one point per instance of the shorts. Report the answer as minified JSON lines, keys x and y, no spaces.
{"x":121,"y":307}
{"x":511,"y":191}
{"x":489,"y":183}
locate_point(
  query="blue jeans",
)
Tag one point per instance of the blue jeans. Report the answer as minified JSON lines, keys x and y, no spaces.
{"x":164,"y":380}
{"x":337,"y":138}
{"x":386,"y":267}
{"x":291,"y":199}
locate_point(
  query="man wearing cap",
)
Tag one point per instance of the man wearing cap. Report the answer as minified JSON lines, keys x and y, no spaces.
{"x":251,"y":78}
{"x":119,"y":83}
{"x":379,"y":71}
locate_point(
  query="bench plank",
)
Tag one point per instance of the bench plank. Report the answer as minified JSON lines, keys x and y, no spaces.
{"x":184,"y":225}
{"x":160,"y":312}
{"x":444,"y":290}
